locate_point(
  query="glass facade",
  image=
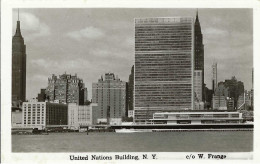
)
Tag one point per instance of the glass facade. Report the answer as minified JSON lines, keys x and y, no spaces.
{"x":164,"y":63}
{"x":196,"y":118}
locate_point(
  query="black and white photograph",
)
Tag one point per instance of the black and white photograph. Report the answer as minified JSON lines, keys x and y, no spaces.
{"x":124,"y":84}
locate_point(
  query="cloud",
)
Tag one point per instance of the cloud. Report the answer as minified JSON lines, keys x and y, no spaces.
{"x":214,"y":31}
{"x":32,"y":26}
{"x":39,"y":62}
{"x":39,"y":78}
{"x":61,"y":64}
{"x":88,"y":32}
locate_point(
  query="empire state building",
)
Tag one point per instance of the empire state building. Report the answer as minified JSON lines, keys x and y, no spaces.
{"x":18,"y":67}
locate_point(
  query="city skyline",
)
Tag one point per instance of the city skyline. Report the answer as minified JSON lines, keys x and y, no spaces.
{"x":55,"y":47}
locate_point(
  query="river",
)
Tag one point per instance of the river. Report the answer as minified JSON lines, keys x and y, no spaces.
{"x":203,"y":141}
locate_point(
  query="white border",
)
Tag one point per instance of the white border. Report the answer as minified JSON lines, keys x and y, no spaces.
{"x":6,"y":35}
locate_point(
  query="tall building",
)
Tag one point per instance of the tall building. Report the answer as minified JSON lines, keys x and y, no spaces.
{"x":18,"y":67}
{"x":199,"y":52}
{"x":110,"y":95}
{"x":236,"y":88}
{"x":197,"y":85}
{"x":66,"y":89}
{"x":214,"y":76}
{"x":130,"y":92}
{"x":164,"y":51}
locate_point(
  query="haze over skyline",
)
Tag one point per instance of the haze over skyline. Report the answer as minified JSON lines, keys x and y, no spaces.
{"x":92,"y":42}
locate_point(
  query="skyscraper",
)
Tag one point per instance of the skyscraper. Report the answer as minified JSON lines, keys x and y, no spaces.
{"x":110,"y":95}
{"x":164,"y":51}
{"x":18,"y":67}
{"x":199,"y":52}
{"x":65,"y":88}
{"x":214,"y":77}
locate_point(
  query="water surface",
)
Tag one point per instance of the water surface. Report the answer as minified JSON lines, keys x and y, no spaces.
{"x":205,"y":141}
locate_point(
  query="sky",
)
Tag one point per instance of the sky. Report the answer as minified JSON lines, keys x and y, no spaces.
{"x":90,"y":42}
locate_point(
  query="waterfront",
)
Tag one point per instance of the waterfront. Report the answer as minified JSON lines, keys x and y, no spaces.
{"x":203,"y":141}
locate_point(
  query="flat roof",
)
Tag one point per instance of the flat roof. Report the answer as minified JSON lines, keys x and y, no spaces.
{"x":197,"y":113}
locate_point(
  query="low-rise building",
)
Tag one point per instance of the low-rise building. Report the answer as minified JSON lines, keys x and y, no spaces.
{"x":197,"y":118}
{"x":34,"y":115}
{"x":43,"y":114}
{"x":245,"y":100}
{"x":199,"y":105}
{"x":82,"y":115}
{"x":219,"y":103}
{"x":16,"y":117}
{"x":230,"y":104}
{"x":130,"y":113}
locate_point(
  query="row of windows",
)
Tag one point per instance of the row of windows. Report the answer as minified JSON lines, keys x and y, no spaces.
{"x":163,"y":47}
{"x":163,"y":80}
{"x":169,"y":27}
{"x":145,"y":42}
{"x":162,"y":32}
{"x":160,"y":40}
{"x":156,"y":85}
{"x":197,"y":115}
{"x":176,"y":55}
{"x":161,"y":90}
{"x":166,"y":59}
{"x":164,"y":64}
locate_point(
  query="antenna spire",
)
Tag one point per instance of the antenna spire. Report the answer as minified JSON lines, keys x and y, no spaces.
{"x":197,"y":15}
{"x":18,"y":30}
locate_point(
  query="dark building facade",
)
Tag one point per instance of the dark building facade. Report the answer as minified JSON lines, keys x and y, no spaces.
{"x":66,"y":89}
{"x":208,"y":97}
{"x":126,"y":98}
{"x":42,"y":96}
{"x":199,"y":52}
{"x":235,"y":88}
{"x":130,"y":92}
{"x":56,"y":114}
{"x":18,"y":67}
